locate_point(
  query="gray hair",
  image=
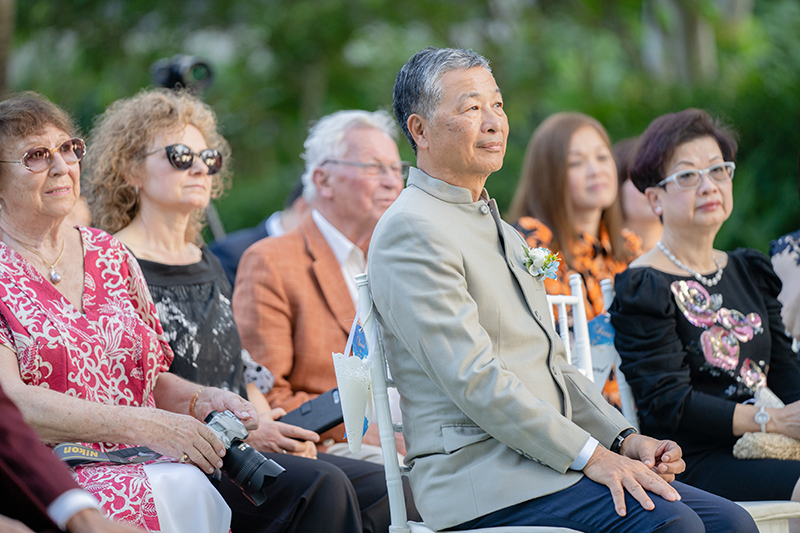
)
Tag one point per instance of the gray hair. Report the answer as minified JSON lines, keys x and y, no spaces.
{"x":326,"y":140}
{"x":418,"y":87}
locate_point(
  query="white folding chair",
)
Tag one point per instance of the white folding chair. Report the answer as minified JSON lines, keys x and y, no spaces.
{"x":580,"y":327}
{"x":394,"y":485}
{"x":770,"y":516}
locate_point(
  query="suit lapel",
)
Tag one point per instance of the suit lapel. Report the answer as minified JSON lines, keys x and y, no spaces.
{"x":328,"y":274}
{"x":525,"y":283}
{"x":517,"y":269}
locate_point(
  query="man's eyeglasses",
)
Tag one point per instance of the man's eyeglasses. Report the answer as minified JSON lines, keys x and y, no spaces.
{"x":181,"y":157}
{"x":376,"y":170}
{"x":689,"y":179}
{"x":40,"y":158}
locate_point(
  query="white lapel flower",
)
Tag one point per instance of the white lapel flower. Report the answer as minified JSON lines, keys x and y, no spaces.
{"x":541,"y":262}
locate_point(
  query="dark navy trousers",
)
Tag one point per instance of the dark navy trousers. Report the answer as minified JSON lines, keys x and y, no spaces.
{"x":587,"y":506}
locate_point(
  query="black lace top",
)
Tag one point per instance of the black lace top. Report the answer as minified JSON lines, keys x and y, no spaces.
{"x":691,"y":352}
{"x":193,"y":303}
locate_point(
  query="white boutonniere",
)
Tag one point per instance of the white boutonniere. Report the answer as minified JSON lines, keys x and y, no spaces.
{"x":540,"y":262}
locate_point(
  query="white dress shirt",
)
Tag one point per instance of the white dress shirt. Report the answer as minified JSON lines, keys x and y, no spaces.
{"x":350,"y":257}
{"x":68,"y":504}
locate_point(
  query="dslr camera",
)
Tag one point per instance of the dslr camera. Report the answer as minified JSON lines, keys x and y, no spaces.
{"x":244,"y":466}
{"x":182,"y":71}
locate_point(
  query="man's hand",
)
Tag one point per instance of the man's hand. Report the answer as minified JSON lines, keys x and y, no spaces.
{"x":91,"y":521}
{"x":620,"y":473}
{"x":664,"y":457}
{"x":277,"y":437}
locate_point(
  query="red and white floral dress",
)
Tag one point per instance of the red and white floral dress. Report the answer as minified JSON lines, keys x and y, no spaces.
{"x":111,"y":354}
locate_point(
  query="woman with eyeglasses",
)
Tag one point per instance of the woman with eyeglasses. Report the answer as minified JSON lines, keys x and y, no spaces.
{"x":82,"y":352}
{"x":699,"y":330}
{"x":157,"y":159}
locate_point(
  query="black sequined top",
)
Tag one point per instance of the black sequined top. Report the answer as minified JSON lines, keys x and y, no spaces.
{"x":193,"y":303}
{"x":691,"y":352}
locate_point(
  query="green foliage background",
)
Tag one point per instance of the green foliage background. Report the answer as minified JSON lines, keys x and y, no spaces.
{"x":281,"y":64}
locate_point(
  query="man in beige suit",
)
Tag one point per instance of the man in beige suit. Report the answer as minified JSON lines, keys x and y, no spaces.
{"x":499,"y":429}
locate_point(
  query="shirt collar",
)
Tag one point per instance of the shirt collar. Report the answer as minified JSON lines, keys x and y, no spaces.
{"x":341,"y":246}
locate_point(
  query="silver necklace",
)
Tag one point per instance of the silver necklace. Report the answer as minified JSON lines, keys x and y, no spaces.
{"x":702,"y":279}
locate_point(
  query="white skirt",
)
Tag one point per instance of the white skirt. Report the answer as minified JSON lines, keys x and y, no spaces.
{"x":186,"y":501}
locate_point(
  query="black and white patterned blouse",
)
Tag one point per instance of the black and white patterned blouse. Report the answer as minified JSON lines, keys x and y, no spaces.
{"x":193,"y":303}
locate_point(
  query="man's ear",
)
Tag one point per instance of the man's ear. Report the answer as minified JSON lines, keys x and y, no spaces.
{"x":420,"y":130}
{"x":322,"y":182}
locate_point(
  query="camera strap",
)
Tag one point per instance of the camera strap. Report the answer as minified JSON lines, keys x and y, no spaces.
{"x":77,"y":454}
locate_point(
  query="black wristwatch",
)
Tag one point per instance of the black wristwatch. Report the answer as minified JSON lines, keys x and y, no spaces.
{"x":616,"y":446}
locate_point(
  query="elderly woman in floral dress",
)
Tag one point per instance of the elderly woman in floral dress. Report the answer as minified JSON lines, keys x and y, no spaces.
{"x":81,"y":350}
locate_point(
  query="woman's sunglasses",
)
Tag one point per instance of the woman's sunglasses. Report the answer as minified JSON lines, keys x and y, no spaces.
{"x":181,"y":157}
{"x":40,"y":158}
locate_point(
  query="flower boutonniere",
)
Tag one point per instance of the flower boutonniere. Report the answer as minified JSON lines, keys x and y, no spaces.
{"x":541,"y":262}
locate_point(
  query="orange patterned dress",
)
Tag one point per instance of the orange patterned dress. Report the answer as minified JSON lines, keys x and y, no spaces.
{"x":592,"y":259}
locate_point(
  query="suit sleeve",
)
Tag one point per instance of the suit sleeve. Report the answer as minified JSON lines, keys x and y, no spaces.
{"x":263,"y":314}
{"x":31,"y":477}
{"x":419,"y":287}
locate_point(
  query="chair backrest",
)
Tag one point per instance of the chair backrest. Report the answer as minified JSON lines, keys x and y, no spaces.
{"x":582,"y":358}
{"x":386,"y":429}
{"x":626,"y":399}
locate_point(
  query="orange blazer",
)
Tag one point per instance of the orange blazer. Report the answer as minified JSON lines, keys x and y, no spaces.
{"x":293,"y":309}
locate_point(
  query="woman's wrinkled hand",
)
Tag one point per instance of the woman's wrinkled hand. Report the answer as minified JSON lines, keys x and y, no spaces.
{"x":174,"y":435}
{"x":214,"y":399}
{"x":276,"y":437}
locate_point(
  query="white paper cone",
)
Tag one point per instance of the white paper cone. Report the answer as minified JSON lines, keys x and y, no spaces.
{"x":353,"y":378}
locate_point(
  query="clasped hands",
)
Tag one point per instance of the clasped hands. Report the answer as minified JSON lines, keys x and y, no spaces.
{"x":643,"y":465}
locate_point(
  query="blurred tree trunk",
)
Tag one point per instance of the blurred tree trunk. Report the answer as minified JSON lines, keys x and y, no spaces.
{"x":679,"y":43}
{"x":6,"y":36}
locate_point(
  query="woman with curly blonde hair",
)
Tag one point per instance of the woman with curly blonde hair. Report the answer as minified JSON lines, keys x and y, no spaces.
{"x":156,"y":161}
{"x":121,"y":146}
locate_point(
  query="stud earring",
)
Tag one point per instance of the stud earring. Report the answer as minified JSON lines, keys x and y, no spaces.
{"x":658,"y":210}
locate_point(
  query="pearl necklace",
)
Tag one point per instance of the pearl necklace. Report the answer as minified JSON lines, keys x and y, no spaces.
{"x":55,"y":277}
{"x":702,"y":279}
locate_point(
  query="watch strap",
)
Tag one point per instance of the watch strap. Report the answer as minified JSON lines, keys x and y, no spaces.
{"x":762,"y":418}
{"x":616,"y":446}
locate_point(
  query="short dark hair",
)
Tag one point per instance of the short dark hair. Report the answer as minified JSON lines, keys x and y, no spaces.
{"x":659,"y":141}
{"x":417,"y":89}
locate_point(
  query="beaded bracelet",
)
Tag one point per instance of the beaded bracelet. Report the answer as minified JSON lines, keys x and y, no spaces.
{"x":194,"y":401}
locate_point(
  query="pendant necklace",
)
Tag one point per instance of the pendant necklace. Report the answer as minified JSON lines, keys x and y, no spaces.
{"x":702,"y":279}
{"x":55,"y":277}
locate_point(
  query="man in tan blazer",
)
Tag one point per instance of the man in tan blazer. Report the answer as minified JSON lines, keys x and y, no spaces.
{"x":295,"y":298}
{"x":500,"y":430}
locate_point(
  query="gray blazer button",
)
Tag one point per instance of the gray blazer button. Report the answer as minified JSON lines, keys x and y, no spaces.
{"x":537,"y":315}
{"x":485,"y":209}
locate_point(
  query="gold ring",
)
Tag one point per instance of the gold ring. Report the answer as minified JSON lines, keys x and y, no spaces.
{"x":184,"y":459}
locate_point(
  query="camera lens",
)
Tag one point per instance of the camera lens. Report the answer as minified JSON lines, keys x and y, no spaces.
{"x":250,"y":471}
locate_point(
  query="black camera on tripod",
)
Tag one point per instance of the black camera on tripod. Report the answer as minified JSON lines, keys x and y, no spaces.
{"x":182,"y":71}
{"x":244,"y":466}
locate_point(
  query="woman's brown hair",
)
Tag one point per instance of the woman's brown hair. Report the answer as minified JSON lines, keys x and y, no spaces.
{"x":543,"y":192}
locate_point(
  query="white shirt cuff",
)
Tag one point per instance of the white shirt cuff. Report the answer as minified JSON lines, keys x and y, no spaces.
{"x":586,"y":453}
{"x":65,"y":506}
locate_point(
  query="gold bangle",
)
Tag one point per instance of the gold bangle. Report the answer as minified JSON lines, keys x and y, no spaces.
{"x":194,"y":401}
